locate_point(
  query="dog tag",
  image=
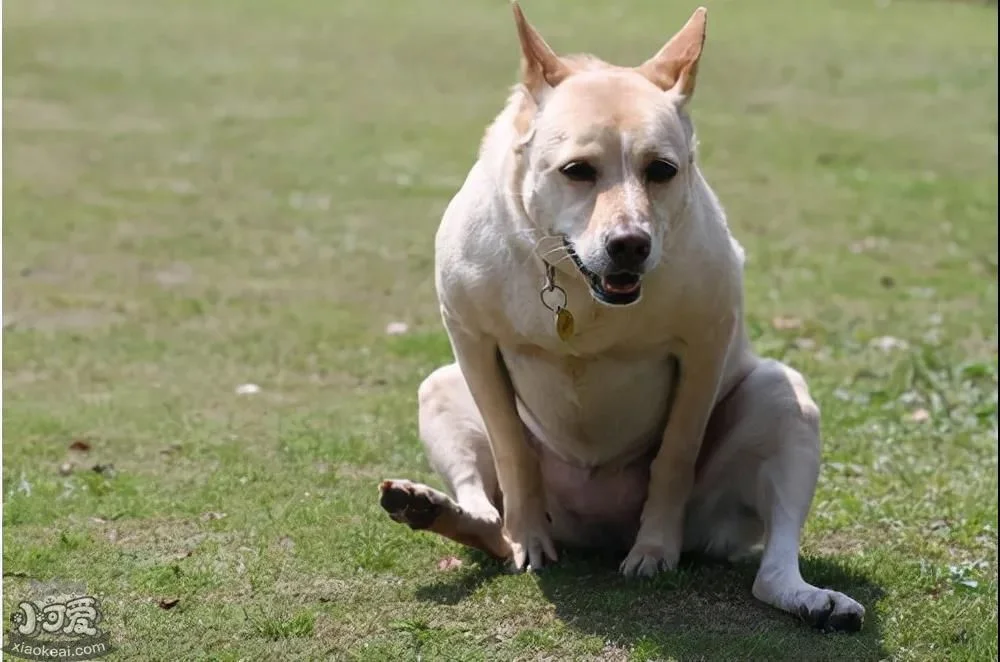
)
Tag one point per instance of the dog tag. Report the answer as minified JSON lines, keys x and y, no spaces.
{"x":564,"y":324}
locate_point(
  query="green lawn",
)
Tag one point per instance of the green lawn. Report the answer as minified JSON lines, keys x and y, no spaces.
{"x":200,"y":195}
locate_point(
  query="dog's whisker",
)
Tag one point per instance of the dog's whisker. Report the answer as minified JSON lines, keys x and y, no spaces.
{"x":526,"y":231}
{"x":560,"y":260}
{"x":541,"y":239}
{"x":553,"y":251}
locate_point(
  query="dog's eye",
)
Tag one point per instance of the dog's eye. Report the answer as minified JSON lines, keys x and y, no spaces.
{"x":660,"y":171}
{"x":579,"y":171}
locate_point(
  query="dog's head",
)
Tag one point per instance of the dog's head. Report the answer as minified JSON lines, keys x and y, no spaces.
{"x":606,"y":154}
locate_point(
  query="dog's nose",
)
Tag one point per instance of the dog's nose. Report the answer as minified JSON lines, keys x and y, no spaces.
{"x":628,"y":249}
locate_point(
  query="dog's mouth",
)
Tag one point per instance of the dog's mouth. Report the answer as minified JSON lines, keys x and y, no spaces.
{"x":619,"y":288}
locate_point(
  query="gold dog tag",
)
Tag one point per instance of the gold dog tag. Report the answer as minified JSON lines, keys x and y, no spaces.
{"x":564,"y":324}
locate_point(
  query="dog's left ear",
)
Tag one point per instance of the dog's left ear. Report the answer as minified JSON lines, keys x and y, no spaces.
{"x":675,"y":67}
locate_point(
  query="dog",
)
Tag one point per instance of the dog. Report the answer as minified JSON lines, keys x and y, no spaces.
{"x":605,"y":392}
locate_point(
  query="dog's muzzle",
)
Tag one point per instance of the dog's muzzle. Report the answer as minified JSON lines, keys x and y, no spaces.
{"x":617,"y":288}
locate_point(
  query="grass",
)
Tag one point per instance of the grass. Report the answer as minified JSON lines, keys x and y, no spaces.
{"x":201,"y":195}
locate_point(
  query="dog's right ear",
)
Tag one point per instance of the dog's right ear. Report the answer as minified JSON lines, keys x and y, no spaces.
{"x":540,"y":66}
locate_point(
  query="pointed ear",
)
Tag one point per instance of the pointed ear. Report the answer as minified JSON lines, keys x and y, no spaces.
{"x":676,"y":65}
{"x":540,"y":66}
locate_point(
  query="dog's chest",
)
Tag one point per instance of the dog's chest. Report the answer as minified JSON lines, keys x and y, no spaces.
{"x":591,"y":409}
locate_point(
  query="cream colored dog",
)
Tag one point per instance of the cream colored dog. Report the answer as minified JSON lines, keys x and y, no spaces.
{"x":605,"y":392}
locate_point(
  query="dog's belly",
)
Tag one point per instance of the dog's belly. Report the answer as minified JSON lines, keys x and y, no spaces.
{"x":594,"y":506}
{"x":596,"y":423}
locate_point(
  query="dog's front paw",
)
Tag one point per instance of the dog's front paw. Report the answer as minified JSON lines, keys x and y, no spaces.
{"x":647,"y":560}
{"x":527,"y":531}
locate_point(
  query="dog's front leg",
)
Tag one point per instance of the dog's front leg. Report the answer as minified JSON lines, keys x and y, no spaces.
{"x":517,"y":467}
{"x":658,"y":544}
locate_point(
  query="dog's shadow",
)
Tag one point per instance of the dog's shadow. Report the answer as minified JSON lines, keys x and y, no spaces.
{"x":702,"y":611}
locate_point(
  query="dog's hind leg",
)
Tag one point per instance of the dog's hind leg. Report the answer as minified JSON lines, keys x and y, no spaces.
{"x":455,"y":439}
{"x":786,"y":483}
{"x":760,"y":480}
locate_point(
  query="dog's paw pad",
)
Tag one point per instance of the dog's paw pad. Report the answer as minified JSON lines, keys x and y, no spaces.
{"x":830,"y":611}
{"x":413,"y":504}
{"x":847,"y":621}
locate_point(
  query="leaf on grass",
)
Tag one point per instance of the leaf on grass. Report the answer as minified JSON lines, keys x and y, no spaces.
{"x":449,"y":563}
{"x":104,"y":469}
{"x":888,"y":343}
{"x":80,"y":445}
{"x":938,"y":524}
{"x":869,"y":244}
{"x":168,"y":603}
{"x":786,"y":323}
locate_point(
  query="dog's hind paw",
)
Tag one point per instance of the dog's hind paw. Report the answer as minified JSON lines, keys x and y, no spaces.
{"x":413,"y":504}
{"x":831,"y":611}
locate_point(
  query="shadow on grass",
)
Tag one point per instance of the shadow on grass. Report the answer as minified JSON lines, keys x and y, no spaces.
{"x":702,"y":611}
